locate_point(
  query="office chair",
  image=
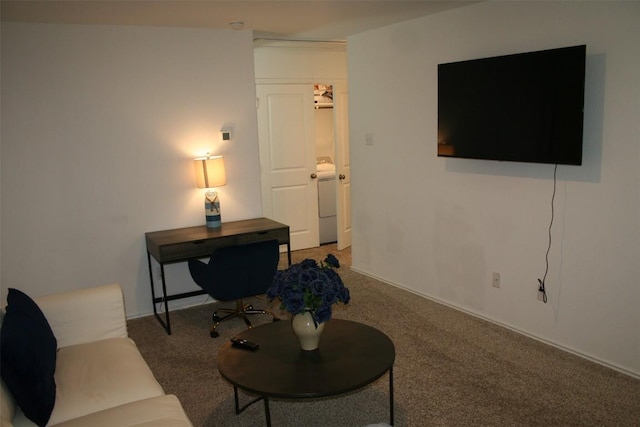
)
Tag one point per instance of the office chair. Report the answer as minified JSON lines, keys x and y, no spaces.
{"x":234,"y":273}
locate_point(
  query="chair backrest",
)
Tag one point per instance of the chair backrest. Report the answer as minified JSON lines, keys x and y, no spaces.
{"x":235,"y":272}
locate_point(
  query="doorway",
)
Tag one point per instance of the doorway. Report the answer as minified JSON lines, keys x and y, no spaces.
{"x":325,"y":162}
{"x":287,"y":72}
{"x":303,"y":138}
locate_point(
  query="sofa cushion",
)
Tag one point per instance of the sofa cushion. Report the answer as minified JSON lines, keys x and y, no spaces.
{"x":163,"y":411}
{"x":28,"y":356}
{"x":100,"y":375}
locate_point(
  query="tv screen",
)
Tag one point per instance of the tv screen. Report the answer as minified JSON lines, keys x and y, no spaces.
{"x":526,"y":107}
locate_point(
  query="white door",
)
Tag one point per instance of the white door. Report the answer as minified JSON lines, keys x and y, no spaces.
{"x":343,"y":164}
{"x":288,"y":160}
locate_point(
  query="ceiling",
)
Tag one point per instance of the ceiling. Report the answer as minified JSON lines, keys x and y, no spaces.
{"x":289,"y":19}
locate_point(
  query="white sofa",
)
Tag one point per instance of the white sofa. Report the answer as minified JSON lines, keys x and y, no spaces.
{"x":100,"y":376}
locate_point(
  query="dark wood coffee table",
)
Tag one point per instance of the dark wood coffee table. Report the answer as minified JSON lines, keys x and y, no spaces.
{"x":351,"y":355}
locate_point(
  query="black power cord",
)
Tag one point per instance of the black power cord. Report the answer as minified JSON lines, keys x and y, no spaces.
{"x":542,"y":288}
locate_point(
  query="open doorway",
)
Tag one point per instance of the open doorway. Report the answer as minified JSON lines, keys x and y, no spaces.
{"x":302,"y":98}
{"x":325,"y":162}
{"x":305,"y":162}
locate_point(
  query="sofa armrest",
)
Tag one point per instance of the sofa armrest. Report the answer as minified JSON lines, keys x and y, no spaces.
{"x":85,"y":315}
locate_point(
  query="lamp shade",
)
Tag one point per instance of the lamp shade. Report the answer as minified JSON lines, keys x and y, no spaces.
{"x":210,"y":172}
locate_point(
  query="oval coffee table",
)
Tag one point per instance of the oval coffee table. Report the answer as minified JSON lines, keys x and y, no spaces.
{"x":350,"y":356}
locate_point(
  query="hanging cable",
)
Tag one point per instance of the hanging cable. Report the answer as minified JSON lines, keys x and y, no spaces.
{"x":542,"y":282}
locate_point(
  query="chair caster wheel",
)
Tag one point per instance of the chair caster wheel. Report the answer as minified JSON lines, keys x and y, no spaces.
{"x":214,"y":334}
{"x":215,"y":318}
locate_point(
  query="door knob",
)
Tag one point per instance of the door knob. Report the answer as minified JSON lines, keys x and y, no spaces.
{"x":341,"y":177}
{"x":314,"y":175}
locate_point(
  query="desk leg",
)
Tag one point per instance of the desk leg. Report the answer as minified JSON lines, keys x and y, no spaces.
{"x":153,"y":291}
{"x":267,"y":412}
{"x":391,"y":396}
{"x":289,"y":252}
{"x":165,"y":323}
{"x":166,"y":300}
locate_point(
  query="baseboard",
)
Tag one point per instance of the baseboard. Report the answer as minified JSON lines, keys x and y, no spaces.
{"x":176,"y":305}
{"x":557,"y":345}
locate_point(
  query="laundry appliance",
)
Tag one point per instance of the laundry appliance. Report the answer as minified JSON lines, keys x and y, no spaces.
{"x":327,"y":211}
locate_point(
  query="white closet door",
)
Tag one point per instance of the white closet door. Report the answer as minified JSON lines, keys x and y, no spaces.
{"x":288,"y":160}
{"x":343,"y":164}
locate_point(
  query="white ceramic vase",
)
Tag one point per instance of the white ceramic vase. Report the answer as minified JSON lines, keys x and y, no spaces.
{"x":306,"y":330}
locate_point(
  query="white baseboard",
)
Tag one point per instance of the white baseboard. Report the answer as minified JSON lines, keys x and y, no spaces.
{"x":531,"y":335}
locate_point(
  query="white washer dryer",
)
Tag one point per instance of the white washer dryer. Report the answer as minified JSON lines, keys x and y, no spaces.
{"x":327,"y":211}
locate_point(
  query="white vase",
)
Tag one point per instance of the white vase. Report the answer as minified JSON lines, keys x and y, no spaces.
{"x":306,"y":330}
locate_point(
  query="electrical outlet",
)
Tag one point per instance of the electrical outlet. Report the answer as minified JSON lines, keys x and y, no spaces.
{"x":540,"y":296}
{"x":496,"y":280}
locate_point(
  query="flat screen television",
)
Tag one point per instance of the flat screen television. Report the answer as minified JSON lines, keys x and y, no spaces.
{"x":526,"y":107}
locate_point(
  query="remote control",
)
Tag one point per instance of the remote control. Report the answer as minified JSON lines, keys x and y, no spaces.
{"x":240,"y":342}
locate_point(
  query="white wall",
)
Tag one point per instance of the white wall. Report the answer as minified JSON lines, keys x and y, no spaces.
{"x":300,"y":62}
{"x":99,"y":128}
{"x":441,"y":227}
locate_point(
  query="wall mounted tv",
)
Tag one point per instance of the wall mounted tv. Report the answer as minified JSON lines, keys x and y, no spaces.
{"x":526,"y":107}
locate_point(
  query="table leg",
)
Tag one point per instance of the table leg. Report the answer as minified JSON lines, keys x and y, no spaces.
{"x":239,"y":409}
{"x":267,"y":413}
{"x":235,"y":396}
{"x":391,"y":396}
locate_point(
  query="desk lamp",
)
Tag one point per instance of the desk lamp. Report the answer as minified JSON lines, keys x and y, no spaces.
{"x":210,"y":173}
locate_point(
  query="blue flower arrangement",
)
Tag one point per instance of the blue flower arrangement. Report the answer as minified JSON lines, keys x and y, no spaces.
{"x":309,"y":286}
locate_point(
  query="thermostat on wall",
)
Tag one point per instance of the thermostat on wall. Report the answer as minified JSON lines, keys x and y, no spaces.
{"x":226,"y":135}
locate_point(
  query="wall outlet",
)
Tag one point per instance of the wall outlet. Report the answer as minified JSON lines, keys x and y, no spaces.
{"x":496,"y":280}
{"x":540,"y":296}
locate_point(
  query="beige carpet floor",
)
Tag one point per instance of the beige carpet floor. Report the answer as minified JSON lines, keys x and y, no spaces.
{"x":451,"y":369}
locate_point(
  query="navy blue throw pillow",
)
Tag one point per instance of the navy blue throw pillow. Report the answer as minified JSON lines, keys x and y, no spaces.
{"x":28,"y":355}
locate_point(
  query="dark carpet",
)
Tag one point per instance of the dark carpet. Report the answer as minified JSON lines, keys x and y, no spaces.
{"x":451,"y":369}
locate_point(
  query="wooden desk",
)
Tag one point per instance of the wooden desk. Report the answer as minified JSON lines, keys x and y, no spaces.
{"x":182,"y":244}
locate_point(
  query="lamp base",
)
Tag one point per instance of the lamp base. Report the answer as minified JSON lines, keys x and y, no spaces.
{"x":212,"y":209}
